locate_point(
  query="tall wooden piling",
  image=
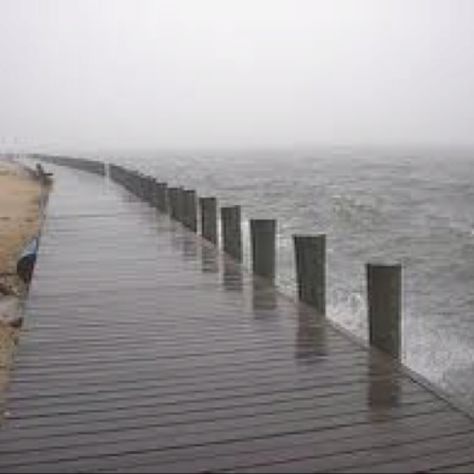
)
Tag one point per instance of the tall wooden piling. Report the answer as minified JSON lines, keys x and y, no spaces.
{"x":384,"y":301}
{"x":232,"y":231}
{"x":310,"y":257}
{"x":208,"y":206}
{"x":263,"y":240}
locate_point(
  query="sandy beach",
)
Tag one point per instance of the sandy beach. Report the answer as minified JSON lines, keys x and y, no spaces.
{"x":19,"y":221}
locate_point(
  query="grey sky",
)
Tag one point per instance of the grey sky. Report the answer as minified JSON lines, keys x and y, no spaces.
{"x":165,"y":73}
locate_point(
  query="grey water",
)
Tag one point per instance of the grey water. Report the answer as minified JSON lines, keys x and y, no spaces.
{"x":412,"y":207}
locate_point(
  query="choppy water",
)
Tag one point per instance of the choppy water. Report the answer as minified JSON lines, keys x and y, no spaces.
{"x":413,"y":208}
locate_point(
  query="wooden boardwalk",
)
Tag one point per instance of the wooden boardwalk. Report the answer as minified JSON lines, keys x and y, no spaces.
{"x":146,"y":351}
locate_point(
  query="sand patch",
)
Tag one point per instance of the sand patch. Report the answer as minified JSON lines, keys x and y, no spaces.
{"x":20,"y":198}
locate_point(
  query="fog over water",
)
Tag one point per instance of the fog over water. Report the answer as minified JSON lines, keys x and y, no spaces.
{"x":114,"y":74}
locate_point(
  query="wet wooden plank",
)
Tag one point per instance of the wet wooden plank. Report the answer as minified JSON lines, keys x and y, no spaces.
{"x":203,"y":364}
{"x":280,"y":453}
{"x":436,"y":455}
{"x":95,"y":445}
{"x":173,"y":397}
{"x":199,"y":429}
{"x":279,"y":379}
{"x":208,"y":409}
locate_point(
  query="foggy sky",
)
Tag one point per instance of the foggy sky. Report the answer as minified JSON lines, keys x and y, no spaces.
{"x":199,"y":73}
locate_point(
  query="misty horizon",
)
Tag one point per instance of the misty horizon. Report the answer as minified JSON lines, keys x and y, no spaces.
{"x":208,"y":75}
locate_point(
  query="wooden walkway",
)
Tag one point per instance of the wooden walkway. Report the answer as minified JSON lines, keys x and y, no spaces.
{"x":145,"y":351}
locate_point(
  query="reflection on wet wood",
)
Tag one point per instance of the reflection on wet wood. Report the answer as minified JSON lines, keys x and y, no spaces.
{"x":190,"y":246}
{"x":133,"y":360}
{"x":264,"y":298}
{"x":384,"y":394}
{"x":209,"y":259}
{"x":232,"y":277}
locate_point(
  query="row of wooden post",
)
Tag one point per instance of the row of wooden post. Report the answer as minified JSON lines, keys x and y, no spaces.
{"x":383,"y":281}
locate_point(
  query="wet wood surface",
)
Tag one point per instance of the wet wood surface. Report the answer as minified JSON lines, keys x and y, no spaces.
{"x":145,"y":350}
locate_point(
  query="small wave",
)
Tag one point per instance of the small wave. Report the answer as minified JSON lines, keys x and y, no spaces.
{"x":348,"y":309}
{"x":356,"y":212}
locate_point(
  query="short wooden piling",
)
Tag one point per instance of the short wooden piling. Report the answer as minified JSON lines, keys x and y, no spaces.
{"x":173,"y":202}
{"x":263,"y":240}
{"x":310,"y":257}
{"x":180,"y":200}
{"x":232,"y":231}
{"x":185,"y":216}
{"x":190,"y":209}
{"x":141,"y":186}
{"x":384,"y":303}
{"x":161,"y":196}
{"x":144,"y":188}
{"x":208,"y":206}
{"x":150,"y":190}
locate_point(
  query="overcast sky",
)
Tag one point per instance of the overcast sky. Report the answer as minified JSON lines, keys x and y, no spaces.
{"x":200,"y":73}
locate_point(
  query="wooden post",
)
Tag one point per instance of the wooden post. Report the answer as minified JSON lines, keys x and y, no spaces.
{"x":310,"y":256}
{"x":263,"y":239}
{"x":135,"y":184}
{"x":143,"y":187}
{"x":161,"y":193}
{"x":138,"y":185}
{"x":190,"y":209}
{"x":180,"y":204}
{"x":173,"y":201}
{"x":231,"y":231}
{"x":150,"y":190}
{"x":208,"y":207}
{"x":384,"y":301}
{"x":185,"y":217}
